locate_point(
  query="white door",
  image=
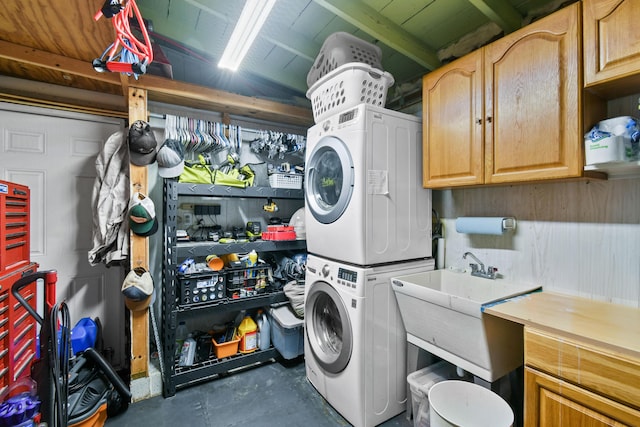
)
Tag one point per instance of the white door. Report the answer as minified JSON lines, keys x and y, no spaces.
{"x":53,"y":153}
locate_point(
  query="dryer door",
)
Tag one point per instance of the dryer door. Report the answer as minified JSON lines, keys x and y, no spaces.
{"x":328,"y":327}
{"x":329,"y":179}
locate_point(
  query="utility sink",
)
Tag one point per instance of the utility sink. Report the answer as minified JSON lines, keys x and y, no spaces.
{"x":443,"y":313}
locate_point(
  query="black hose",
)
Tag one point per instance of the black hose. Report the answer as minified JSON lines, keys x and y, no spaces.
{"x":108,"y":371}
{"x":59,"y":361}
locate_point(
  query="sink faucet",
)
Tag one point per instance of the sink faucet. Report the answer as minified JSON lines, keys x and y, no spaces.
{"x":490,"y":273}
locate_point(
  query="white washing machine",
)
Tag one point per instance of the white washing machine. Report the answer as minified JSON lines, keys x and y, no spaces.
{"x":355,"y":341}
{"x":365,"y":203}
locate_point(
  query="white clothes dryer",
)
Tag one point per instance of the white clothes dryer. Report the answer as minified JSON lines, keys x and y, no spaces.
{"x":355,"y":341}
{"x":365,"y":203}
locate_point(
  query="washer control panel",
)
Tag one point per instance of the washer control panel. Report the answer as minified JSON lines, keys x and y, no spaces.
{"x":348,"y":278}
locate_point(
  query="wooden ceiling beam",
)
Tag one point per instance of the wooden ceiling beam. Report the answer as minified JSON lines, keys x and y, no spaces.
{"x":172,"y":92}
{"x":51,"y":61}
{"x":376,"y":25}
{"x":500,"y":12}
{"x":163,"y":89}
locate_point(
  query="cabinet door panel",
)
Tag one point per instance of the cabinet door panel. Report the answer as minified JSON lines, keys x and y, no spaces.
{"x":614,"y":375}
{"x":532,"y":94}
{"x":611,"y":40}
{"x":550,"y":402}
{"x":452,"y":106}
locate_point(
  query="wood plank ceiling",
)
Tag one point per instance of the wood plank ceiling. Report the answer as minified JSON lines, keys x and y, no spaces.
{"x":55,"y":43}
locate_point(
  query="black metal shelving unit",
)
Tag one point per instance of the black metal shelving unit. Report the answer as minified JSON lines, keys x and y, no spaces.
{"x":177,"y":377}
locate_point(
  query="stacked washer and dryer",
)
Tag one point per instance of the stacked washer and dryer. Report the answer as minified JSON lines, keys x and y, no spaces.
{"x":367,"y":219}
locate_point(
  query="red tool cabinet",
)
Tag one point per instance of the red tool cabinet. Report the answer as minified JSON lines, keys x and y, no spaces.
{"x":14,"y":227}
{"x":17,"y":327}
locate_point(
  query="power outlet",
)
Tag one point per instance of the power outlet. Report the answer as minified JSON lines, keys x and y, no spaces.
{"x":206,"y":210}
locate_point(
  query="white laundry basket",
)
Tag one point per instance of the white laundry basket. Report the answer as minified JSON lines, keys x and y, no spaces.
{"x":465,"y":404}
{"x":347,"y":86}
{"x":420,"y":382}
{"x":341,"y":48}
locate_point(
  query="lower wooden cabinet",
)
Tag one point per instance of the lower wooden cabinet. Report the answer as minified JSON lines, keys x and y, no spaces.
{"x":554,"y":402}
{"x":570,"y":383}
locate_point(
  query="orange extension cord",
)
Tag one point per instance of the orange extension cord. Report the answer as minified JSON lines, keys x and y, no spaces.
{"x":126,"y":54}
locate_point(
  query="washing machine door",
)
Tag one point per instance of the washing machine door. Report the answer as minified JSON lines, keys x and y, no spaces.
{"x":328,"y":327}
{"x":329,"y":179}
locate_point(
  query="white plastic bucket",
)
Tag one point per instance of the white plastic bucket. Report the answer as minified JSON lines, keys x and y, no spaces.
{"x":465,"y":404}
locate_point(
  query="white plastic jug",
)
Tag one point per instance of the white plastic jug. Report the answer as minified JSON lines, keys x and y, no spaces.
{"x":264,"y":327}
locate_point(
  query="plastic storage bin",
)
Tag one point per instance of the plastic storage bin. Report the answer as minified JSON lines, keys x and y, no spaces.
{"x":247,"y":282}
{"x":341,"y":48}
{"x":347,"y":86}
{"x":225,"y":349}
{"x":279,"y":232}
{"x":287,"y":332}
{"x":290,"y":181}
{"x":420,"y":382}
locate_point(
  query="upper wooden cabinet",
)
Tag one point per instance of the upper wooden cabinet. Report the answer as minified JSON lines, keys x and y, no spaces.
{"x":508,"y":112}
{"x":612,"y":45}
{"x":452,"y":130}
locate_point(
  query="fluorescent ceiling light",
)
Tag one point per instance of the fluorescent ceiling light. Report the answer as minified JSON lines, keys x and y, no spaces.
{"x":253,"y":16}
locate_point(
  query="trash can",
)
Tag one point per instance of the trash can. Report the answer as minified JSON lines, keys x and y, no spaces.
{"x":466,"y":404}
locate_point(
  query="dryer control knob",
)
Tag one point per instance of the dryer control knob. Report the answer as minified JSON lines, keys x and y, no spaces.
{"x":326,"y":270}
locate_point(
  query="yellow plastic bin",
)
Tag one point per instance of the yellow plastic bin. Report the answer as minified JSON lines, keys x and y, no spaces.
{"x":465,"y":404}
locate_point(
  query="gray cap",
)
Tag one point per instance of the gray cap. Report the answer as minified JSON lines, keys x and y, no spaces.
{"x":142,"y":144}
{"x":170,"y":159}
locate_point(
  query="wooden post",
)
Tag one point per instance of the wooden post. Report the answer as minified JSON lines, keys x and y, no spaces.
{"x":139,"y":248}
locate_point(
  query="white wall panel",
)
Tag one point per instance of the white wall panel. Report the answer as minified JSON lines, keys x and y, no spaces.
{"x":86,"y":296}
{"x":581,"y":238}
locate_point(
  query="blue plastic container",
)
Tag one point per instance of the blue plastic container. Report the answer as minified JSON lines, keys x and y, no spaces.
{"x":83,"y":335}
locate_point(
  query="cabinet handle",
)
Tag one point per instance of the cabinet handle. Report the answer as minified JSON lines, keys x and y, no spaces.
{"x":478,"y":121}
{"x":488,"y":119}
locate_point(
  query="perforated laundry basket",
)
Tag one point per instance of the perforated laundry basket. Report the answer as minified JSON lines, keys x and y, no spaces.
{"x":341,"y":48}
{"x":347,"y":86}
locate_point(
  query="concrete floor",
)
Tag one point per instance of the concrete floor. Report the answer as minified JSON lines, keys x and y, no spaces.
{"x":272,"y":394}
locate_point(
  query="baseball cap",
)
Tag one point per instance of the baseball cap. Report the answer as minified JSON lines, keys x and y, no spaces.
{"x":142,"y":144}
{"x":170,"y":159}
{"x":142,"y":215}
{"x":137,"y":289}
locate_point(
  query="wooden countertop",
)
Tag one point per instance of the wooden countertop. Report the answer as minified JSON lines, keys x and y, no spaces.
{"x":612,"y":326}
